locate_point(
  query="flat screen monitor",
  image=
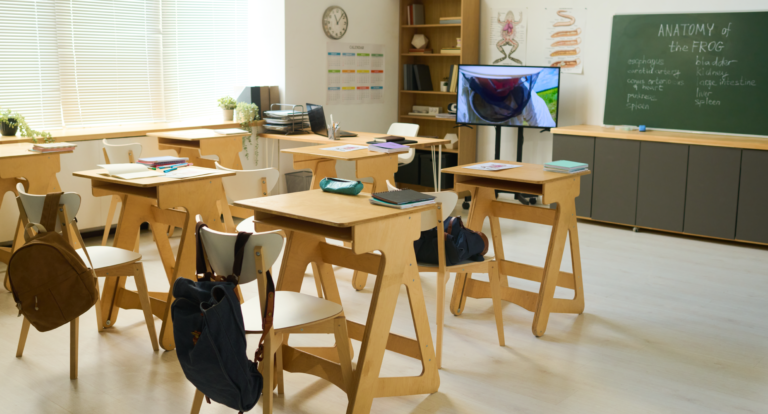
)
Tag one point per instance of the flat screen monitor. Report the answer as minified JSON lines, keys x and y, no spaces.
{"x":518,"y":96}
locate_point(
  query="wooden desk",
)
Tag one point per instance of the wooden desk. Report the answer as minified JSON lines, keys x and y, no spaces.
{"x":308,"y":218}
{"x":379,"y":166}
{"x":157,"y":200}
{"x":193,"y":143}
{"x":39,"y":170}
{"x":561,"y":189}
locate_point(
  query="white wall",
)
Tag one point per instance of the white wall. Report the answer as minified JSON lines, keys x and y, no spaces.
{"x":582,"y":97}
{"x":370,"y":21}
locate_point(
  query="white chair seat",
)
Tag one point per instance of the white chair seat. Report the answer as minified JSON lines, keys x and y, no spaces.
{"x":246,"y":225}
{"x":107,"y":256}
{"x":463,"y":263}
{"x":292,"y":309}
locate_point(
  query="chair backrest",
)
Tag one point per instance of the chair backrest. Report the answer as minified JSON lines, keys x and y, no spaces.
{"x":33,"y":205}
{"x":448,"y":199}
{"x":402,"y":129}
{"x":119,"y":154}
{"x":249,"y":183}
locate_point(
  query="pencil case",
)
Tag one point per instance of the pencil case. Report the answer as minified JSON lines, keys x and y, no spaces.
{"x":341,"y":186}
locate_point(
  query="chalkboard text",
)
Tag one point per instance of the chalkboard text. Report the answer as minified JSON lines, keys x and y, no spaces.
{"x":671,"y":30}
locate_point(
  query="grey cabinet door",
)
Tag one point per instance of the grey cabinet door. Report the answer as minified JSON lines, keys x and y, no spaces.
{"x":579,"y":149}
{"x":752,"y":221}
{"x":661,"y":185}
{"x":614,"y":188}
{"x":713,"y":189}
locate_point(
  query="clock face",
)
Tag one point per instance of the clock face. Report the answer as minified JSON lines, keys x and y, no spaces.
{"x":335,"y":22}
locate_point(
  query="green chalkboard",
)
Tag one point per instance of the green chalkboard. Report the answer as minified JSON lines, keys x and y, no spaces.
{"x":700,"y":72}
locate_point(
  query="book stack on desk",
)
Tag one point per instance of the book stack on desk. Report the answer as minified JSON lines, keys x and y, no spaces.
{"x":155,"y":162}
{"x":565,"y":167}
{"x":402,"y":199}
{"x":54,"y":147}
{"x":388,"y":147}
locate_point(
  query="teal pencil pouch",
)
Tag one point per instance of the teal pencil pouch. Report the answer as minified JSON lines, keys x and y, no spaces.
{"x":341,"y":186}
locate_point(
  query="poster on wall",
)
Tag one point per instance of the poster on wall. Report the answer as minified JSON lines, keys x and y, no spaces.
{"x":355,"y":73}
{"x":508,"y":36}
{"x":565,"y":31}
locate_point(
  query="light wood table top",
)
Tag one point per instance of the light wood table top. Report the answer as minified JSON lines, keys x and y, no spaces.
{"x":193,"y":134}
{"x":528,"y":173}
{"x":321,"y":152}
{"x":23,"y":150}
{"x":101,"y":175}
{"x":672,"y":137}
{"x":330,"y":209}
{"x":362,"y":138}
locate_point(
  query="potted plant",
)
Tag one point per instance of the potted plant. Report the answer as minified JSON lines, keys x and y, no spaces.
{"x":11,"y":122}
{"x":247,"y":113}
{"x":227,"y":105}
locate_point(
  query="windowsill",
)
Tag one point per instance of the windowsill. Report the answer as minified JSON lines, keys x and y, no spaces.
{"x":130,"y":130}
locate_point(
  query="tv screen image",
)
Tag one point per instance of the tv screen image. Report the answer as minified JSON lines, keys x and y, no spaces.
{"x":524,"y":96}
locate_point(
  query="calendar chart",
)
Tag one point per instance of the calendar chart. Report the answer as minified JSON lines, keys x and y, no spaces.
{"x":355,"y":73}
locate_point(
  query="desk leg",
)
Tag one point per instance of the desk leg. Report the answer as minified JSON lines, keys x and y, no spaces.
{"x":320,"y":170}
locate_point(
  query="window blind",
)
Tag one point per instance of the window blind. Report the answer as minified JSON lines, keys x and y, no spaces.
{"x":29,"y":77}
{"x":205,"y":54}
{"x":110,"y":61}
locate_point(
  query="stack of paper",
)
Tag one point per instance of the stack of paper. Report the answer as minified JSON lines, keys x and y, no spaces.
{"x":285,"y":120}
{"x":54,"y":147}
{"x":566,"y":167}
{"x":130,"y":171}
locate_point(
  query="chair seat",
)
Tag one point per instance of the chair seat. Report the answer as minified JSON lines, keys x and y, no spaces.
{"x":246,"y":225}
{"x":107,"y":256}
{"x":292,"y":309}
{"x":463,"y":263}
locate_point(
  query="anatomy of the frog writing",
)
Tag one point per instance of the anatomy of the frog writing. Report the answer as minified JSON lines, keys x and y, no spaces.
{"x":508,"y":32}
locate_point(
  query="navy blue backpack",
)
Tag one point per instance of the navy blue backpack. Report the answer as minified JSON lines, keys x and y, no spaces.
{"x":461,"y":244}
{"x":210,"y":335}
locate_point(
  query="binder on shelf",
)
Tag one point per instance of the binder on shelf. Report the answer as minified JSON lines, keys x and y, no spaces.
{"x":258,"y":95}
{"x":423,"y":77}
{"x":409,"y":84}
{"x":418,"y":13}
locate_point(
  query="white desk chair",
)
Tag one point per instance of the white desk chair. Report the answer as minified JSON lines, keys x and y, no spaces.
{"x":294,"y":312}
{"x":118,"y":154}
{"x":405,"y":130}
{"x":244,"y":185}
{"x":107,"y":262}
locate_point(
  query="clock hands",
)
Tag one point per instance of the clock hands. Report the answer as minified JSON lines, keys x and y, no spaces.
{"x":337,"y":19}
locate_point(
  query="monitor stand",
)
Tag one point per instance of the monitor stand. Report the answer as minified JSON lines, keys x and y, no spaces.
{"x":526,"y":199}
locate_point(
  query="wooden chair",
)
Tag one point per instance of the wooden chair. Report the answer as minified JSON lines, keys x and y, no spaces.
{"x":106,"y":261}
{"x":294,"y":312}
{"x":118,"y":154}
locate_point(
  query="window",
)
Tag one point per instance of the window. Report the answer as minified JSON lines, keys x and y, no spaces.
{"x":87,"y":62}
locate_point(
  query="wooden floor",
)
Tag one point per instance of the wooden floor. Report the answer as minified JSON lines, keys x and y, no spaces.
{"x":672,"y":325}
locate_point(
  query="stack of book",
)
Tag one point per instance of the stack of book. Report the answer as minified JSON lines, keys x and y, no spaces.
{"x":450,"y":20}
{"x":163,"y":162}
{"x":420,"y":51}
{"x":453,"y":79}
{"x":565,"y":167}
{"x":54,"y":147}
{"x":414,"y":14}
{"x":446,"y":115}
{"x":451,"y":50}
{"x":285,"y":120}
{"x":388,"y":147}
{"x":402,"y":199}
{"x":392,"y":138}
{"x":416,"y":77}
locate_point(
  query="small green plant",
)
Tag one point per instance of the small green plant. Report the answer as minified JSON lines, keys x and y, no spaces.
{"x":245,"y":114}
{"x":227,"y":102}
{"x":15,"y":119}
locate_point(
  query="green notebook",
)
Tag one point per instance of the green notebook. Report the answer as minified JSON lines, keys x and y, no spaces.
{"x":566,"y":164}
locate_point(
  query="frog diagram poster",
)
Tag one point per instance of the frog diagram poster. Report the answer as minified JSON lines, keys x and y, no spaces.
{"x":508,"y":29}
{"x":563,"y":45}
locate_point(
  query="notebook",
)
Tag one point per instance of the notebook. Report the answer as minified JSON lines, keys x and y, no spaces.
{"x":155,"y":161}
{"x":406,"y":196}
{"x":388,"y":147}
{"x":389,"y":138}
{"x":564,"y":166}
{"x":401,"y":206}
{"x":130,"y":171}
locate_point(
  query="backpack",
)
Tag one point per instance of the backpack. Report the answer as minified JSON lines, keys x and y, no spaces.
{"x":210,"y":334}
{"x":51,"y":285}
{"x":461,"y":244}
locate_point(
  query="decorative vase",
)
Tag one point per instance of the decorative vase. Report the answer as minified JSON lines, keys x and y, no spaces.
{"x":7,"y":130}
{"x":229,"y":114}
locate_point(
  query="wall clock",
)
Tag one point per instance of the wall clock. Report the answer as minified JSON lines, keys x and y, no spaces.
{"x":335,"y":22}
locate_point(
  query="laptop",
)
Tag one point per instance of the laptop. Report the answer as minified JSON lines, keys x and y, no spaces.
{"x":317,"y":121}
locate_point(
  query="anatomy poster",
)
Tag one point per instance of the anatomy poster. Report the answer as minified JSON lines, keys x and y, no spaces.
{"x":565,"y":31}
{"x":355,"y":73}
{"x":508,"y":36}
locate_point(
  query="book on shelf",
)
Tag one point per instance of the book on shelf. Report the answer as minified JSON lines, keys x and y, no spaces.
{"x":446,"y":116}
{"x":451,"y":50}
{"x":453,"y":79}
{"x":423,"y":77}
{"x":408,"y":81}
{"x":450,"y":20}
{"x":415,"y":14}
{"x":420,"y":51}
{"x":566,"y":167}
{"x":388,"y":147}
{"x":421,"y":114}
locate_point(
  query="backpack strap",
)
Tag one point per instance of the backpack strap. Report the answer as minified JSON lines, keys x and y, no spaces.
{"x":50,"y":207}
{"x":240,"y":242}
{"x":267,"y":318}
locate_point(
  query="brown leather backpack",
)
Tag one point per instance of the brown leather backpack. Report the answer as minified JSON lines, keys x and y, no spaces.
{"x":51,"y":285}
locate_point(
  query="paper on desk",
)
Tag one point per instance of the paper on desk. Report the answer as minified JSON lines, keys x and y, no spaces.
{"x":345,"y":148}
{"x":189,"y":172}
{"x":492,"y":166}
{"x":230,"y":131}
{"x":129,"y":171}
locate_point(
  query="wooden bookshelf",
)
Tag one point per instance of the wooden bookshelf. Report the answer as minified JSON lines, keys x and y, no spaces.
{"x":440,"y":36}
